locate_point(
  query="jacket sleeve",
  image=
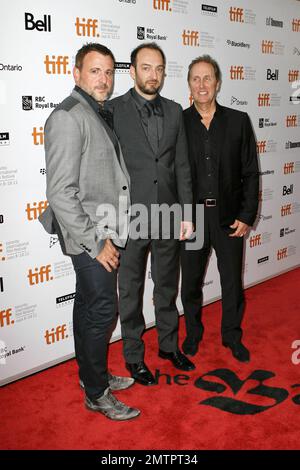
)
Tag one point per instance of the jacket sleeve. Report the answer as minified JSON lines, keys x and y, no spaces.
{"x":64,"y":145}
{"x":249,"y":173}
{"x":182,"y":164}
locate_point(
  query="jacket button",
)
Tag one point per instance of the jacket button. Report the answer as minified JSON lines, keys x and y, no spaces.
{"x":124,"y":187}
{"x":155,"y":181}
{"x":156,"y":159}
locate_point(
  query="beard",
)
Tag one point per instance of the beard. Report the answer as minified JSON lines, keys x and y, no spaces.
{"x":148,"y":89}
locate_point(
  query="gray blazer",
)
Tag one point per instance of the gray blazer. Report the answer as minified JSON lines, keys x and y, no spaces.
{"x":159,"y":178}
{"x":87,"y":185}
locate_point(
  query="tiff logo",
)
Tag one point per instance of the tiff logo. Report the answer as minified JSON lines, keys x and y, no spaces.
{"x":293,"y":75}
{"x":237,"y":72}
{"x":286,"y":210}
{"x":289,"y":168}
{"x":236,"y":14}
{"x":291,"y":121}
{"x":56,"y":334}
{"x":40,"y":25}
{"x":190,"y":38}
{"x":87,"y":27}
{"x":38,"y":136}
{"x":58,"y":65}
{"x":39,"y":275}
{"x":34,"y":212}
{"x":163,"y":5}
{"x":296,"y":25}
{"x":255,"y":240}
{"x":267,"y":47}
{"x":264,"y":99}
{"x":261,"y":146}
{"x":281,"y":254}
{"x":5,"y":318}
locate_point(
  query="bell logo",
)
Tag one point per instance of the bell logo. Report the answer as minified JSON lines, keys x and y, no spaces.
{"x":163,"y":5}
{"x":293,"y":75}
{"x":261,"y":146}
{"x":56,"y":334}
{"x":296,"y":25}
{"x":38,"y":136}
{"x":36,"y":210}
{"x":40,"y":25}
{"x":286,"y":210}
{"x":236,"y":14}
{"x":291,"y":121}
{"x":288,"y":168}
{"x":190,"y":38}
{"x":39,"y":275}
{"x":287,"y":190}
{"x":87,"y":27}
{"x":255,"y":240}
{"x":267,"y":47}
{"x":264,"y":99}
{"x":2,"y":258}
{"x":281,"y":254}
{"x":58,"y":65}
{"x":5,"y":318}
{"x":237,"y":72}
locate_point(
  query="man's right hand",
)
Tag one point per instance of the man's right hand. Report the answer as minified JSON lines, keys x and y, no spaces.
{"x":109,"y":256}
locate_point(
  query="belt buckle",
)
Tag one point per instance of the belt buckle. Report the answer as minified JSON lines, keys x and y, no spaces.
{"x":210,"y":202}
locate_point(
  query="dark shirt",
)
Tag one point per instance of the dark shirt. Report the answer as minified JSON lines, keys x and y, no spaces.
{"x":107,"y":123}
{"x":205,"y":141}
{"x":141,"y":102}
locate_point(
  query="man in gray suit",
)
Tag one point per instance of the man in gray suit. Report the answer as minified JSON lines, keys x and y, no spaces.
{"x":86,"y":180}
{"x":151,"y":133}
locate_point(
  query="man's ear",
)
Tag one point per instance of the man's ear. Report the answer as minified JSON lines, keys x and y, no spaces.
{"x":132,"y":72}
{"x":76,"y":74}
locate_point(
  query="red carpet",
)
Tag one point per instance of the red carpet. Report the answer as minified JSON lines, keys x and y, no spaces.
{"x":46,"y":411}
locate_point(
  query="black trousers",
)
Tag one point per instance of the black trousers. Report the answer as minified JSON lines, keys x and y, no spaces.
{"x":94,"y":315}
{"x":165,"y":270}
{"x":229,"y":252}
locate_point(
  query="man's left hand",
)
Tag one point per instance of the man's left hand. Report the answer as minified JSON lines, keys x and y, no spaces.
{"x":186,"y":230}
{"x":241,"y":229}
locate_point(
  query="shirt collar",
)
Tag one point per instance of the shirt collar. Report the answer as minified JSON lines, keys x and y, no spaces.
{"x":141,"y":101}
{"x":92,"y":102}
{"x":217,"y":114}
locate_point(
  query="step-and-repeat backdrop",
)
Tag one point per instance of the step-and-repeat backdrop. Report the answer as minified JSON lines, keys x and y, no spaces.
{"x":258,"y":47}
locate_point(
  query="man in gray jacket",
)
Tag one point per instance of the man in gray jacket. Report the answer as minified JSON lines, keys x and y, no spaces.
{"x":88,"y":194}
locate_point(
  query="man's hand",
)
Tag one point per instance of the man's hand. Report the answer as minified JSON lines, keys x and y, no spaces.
{"x":109,"y":256}
{"x":240,"y":228}
{"x":186,"y":230}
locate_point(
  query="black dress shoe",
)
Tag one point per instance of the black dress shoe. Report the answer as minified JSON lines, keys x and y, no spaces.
{"x":239,"y":351}
{"x":141,"y":374}
{"x":190,"y":346}
{"x":178,"y":359}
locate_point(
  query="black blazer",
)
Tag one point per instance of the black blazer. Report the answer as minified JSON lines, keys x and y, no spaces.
{"x":238,"y":178}
{"x":159,"y":178}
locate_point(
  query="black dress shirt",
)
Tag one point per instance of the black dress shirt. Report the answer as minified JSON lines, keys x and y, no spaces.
{"x":208,"y":158}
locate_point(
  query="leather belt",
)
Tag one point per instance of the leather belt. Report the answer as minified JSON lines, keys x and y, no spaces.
{"x":208,"y":202}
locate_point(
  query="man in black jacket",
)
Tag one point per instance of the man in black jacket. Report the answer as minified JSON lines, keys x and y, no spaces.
{"x":222,"y":151}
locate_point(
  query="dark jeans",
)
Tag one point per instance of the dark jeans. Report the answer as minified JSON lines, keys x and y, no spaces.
{"x":94,"y":316}
{"x":229,"y":252}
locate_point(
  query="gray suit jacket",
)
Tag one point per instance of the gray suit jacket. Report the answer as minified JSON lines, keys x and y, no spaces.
{"x":159,"y":178}
{"x":87,"y":185}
